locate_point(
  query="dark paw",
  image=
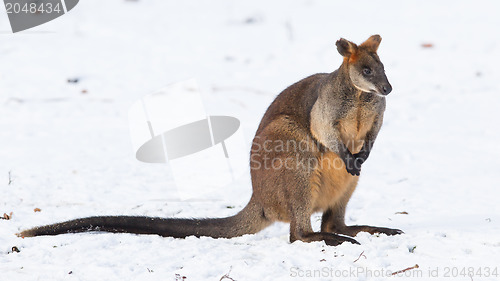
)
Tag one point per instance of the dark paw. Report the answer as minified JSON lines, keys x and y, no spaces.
{"x":339,"y":240}
{"x":360,"y":159}
{"x":388,"y":231}
{"x":353,"y":170}
{"x":353,"y":165}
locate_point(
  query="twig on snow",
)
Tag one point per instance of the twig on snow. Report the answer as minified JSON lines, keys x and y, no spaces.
{"x":226,"y":276}
{"x":10,"y":177}
{"x":404,"y":270}
{"x":360,"y":255}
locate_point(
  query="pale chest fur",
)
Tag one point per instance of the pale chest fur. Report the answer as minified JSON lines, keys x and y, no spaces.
{"x":330,"y":181}
{"x":348,"y":122}
{"x":353,"y":128}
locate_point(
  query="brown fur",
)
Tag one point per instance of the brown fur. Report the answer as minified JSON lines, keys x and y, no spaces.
{"x":352,"y":58}
{"x":329,"y":182}
{"x":372,"y":43}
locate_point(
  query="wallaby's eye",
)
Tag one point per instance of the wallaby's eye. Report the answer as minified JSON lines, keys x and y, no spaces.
{"x":367,"y":71}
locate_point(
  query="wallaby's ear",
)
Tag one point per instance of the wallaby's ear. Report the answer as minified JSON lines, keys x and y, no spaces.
{"x":372,"y":43}
{"x":346,"y":48}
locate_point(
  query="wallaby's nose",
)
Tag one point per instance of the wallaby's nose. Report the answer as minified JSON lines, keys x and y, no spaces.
{"x":387,"y":89}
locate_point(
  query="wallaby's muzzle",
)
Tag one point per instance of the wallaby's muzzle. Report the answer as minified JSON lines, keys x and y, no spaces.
{"x":386,"y":89}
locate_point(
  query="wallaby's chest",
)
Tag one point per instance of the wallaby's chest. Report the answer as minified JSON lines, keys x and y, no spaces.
{"x":357,"y":122}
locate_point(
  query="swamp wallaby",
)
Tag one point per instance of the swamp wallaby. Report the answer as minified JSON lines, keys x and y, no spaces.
{"x":306,"y":157}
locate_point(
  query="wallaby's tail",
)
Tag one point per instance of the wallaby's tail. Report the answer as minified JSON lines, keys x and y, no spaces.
{"x":249,"y":220}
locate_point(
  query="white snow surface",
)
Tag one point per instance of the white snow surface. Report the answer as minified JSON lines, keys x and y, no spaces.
{"x":69,"y":153}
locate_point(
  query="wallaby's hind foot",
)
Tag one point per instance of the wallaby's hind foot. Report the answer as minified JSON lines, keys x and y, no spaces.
{"x":331,"y":239}
{"x":300,"y":229}
{"x":385,"y":230}
{"x":352,"y":230}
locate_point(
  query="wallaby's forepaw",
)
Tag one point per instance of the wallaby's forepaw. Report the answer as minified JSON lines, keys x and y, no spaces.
{"x":359,"y":159}
{"x":353,"y":165}
{"x":353,"y":170}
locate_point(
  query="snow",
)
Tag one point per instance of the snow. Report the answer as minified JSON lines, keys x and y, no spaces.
{"x":69,"y":153}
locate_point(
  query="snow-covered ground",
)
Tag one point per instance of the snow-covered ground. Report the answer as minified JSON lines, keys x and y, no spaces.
{"x":68,"y":151}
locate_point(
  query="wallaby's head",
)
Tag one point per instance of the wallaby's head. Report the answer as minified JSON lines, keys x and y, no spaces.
{"x":365,"y":68}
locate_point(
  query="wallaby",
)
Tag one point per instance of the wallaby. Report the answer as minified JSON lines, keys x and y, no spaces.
{"x":306,"y":157}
